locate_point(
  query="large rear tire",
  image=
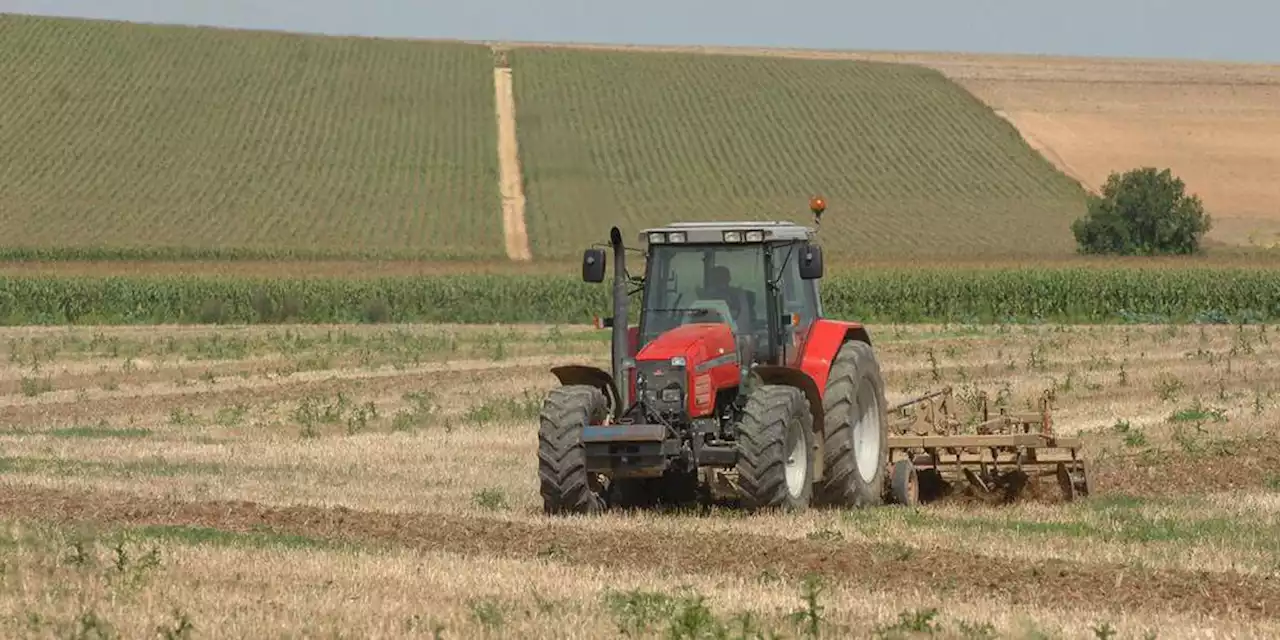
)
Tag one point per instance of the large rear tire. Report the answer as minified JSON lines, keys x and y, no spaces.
{"x":856,"y":427}
{"x":775,"y":444}
{"x":566,"y":486}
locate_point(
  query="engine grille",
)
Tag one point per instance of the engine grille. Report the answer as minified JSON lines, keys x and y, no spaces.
{"x":660,"y":385}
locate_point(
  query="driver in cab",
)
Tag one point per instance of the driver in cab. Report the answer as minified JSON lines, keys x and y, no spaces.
{"x":720,"y":287}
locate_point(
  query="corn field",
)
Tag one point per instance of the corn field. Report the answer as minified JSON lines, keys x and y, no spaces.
{"x":882,"y":295}
{"x":1070,"y":295}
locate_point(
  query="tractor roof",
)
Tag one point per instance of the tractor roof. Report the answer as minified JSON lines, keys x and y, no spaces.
{"x":713,"y":232}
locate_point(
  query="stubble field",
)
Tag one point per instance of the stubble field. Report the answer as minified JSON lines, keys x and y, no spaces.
{"x":380,"y":481}
{"x":1216,"y":125}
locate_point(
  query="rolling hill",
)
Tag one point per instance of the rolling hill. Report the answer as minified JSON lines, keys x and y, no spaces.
{"x":1215,"y":124}
{"x":126,"y":140}
{"x":159,"y":139}
{"x":911,"y":164}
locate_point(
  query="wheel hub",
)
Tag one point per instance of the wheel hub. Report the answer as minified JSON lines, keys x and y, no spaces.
{"x":797,"y":460}
{"x":866,"y":433}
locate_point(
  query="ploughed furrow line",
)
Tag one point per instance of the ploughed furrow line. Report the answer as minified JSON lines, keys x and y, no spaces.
{"x":1054,"y":583}
{"x":274,"y":370}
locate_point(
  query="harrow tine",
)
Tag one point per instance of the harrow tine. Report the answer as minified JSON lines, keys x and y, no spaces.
{"x":975,"y":480}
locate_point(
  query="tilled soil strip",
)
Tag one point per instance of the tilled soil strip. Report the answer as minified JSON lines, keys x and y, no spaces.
{"x":1055,"y":583}
{"x":1239,"y":465}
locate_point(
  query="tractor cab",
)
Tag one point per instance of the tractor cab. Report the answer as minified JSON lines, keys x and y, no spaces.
{"x":759,"y":278}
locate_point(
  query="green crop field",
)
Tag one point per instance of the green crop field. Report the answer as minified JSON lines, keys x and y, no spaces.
{"x":156,"y":140}
{"x":143,"y":141}
{"x":1084,"y":295}
{"x":911,"y":164}
{"x":128,"y":143}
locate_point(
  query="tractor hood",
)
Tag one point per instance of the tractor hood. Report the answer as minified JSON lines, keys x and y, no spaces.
{"x":697,"y":343}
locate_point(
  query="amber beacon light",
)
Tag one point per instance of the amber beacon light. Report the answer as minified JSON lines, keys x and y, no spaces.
{"x":817,"y":204}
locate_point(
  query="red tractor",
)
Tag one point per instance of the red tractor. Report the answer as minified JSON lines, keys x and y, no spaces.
{"x":733,"y":386}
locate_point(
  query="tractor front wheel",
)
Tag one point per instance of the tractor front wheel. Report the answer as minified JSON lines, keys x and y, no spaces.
{"x":856,"y":429}
{"x":566,"y":486}
{"x":775,"y":447}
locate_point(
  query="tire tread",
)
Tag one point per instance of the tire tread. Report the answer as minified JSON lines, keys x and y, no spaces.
{"x":562,"y":459}
{"x":841,"y":485}
{"x":762,"y":450}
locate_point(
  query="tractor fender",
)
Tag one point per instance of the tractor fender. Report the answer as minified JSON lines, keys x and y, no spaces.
{"x":823,"y":343}
{"x":593,"y":376}
{"x":793,"y":377}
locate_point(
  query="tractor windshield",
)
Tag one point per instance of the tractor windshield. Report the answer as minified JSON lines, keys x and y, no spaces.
{"x":705,"y":283}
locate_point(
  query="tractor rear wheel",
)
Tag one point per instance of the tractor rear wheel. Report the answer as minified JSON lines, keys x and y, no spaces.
{"x":775,"y":447}
{"x":566,"y":486}
{"x":856,"y":429}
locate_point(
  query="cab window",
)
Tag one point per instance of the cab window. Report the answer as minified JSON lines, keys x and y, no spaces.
{"x":797,"y":294}
{"x":678,"y":280}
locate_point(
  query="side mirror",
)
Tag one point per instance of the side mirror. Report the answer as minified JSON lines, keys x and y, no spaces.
{"x":593,"y":265}
{"x":811,"y":262}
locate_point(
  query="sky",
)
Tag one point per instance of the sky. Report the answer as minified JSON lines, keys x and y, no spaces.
{"x":1231,"y":30}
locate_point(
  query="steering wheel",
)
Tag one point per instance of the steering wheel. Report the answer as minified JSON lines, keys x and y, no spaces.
{"x":719,"y":307}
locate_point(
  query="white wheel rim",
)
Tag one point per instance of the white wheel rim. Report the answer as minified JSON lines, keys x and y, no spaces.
{"x":866,"y":434}
{"x":795,"y":468}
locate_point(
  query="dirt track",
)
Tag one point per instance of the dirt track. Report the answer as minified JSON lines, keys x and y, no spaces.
{"x":510,"y":182}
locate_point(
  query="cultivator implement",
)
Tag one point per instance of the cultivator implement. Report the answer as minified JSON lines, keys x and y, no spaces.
{"x":996,"y":457}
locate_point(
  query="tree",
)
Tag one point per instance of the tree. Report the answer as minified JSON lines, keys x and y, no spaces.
{"x":1142,"y":212}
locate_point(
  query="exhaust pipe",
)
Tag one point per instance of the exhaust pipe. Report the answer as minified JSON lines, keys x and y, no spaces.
{"x":620,"y":318}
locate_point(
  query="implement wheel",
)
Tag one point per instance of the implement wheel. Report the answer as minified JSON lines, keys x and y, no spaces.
{"x":566,"y":486}
{"x":775,"y":444}
{"x":904,"y":485}
{"x":1065,"y":483}
{"x":1074,"y":484}
{"x":857,"y":429}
